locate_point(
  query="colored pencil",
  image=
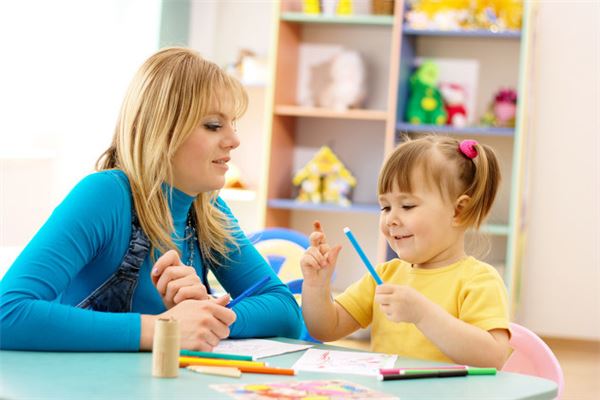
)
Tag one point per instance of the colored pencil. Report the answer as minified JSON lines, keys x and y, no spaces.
{"x":221,"y":371}
{"x":248,"y":291}
{"x":209,"y":354}
{"x":362,"y":255}
{"x":268,"y":370}
{"x":185,"y":361}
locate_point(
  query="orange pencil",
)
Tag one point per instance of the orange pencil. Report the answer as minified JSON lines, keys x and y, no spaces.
{"x":268,"y":370}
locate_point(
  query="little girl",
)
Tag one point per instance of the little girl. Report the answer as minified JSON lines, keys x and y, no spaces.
{"x":436,"y":302}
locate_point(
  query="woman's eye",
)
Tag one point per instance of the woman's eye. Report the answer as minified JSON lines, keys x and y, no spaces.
{"x":213,"y":126}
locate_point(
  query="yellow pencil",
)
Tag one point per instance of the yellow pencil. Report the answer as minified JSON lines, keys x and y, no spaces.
{"x":221,"y":371}
{"x":185,"y":361}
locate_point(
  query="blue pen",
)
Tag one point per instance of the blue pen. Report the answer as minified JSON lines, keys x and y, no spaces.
{"x":362,"y":255}
{"x":248,"y":291}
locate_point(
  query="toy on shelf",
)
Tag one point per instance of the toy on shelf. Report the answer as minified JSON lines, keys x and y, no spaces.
{"x":346,"y":86}
{"x":503,"y":110}
{"x":455,"y":97}
{"x":233,"y":178}
{"x":493,"y":15}
{"x":325,"y":179}
{"x":425,"y":105}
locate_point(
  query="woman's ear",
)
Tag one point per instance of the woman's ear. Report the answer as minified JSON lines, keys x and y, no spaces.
{"x":459,"y":206}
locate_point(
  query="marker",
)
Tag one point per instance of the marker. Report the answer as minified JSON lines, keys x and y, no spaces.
{"x":362,"y":255}
{"x":248,"y":291}
{"x":220,"y":371}
{"x":208,"y":354}
{"x":470,"y":370}
{"x":418,"y":374}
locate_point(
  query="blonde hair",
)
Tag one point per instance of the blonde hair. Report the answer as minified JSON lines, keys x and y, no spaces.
{"x":164,"y":103}
{"x":446,"y":168}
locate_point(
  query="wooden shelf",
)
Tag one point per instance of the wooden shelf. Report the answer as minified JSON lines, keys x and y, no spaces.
{"x":405,"y":127}
{"x":384,"y":20}
{"x":291,"y":204}
{"x":316,"y":112}
{"x":474,"y":33}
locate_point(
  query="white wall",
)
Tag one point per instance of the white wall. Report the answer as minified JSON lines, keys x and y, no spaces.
{"x":561,"y":270}
{"x":64,"y":70}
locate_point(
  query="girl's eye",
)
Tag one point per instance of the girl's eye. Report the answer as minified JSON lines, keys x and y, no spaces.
{"x":408,"y":207}
{"x":385,"y":209}
{"x":213,"y":126}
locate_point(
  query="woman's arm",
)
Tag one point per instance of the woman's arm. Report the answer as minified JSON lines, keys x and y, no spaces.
{"x":272,"y":310}
{"x":80,"y":231}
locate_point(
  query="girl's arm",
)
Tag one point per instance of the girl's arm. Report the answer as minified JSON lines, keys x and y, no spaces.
{"x":272,"y":310}
{"x":324,"y":319}
{"x":460,"y":341}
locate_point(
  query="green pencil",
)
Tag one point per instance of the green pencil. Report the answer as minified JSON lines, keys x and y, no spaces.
{"x":222,"y":356}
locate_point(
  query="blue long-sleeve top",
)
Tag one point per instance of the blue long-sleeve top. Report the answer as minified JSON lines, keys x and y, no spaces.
{"x":83,"y":243}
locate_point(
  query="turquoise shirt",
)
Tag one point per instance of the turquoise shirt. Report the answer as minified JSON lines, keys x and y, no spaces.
{"x":82,"y":244}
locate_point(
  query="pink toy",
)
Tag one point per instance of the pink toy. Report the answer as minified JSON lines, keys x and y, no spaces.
{"x":467,"y":147}
{"x":505,"y":107}
{"x":532,"y":356}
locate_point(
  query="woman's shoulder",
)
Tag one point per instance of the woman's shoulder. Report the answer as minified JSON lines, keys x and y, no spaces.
{"x":100,"y":190}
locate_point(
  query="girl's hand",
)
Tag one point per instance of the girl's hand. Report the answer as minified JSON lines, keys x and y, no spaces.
{"x":318,"y":262}
{"x":202,"y":323}
{"x":400,"y":303}
{"x":176,"y":282}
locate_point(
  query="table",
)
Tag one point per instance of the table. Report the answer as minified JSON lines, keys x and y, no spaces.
{"x":66,"y":375}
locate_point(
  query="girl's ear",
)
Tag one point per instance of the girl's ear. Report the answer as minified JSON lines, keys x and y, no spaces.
{"x":459,"y":206}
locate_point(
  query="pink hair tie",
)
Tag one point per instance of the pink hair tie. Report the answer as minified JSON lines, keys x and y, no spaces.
{"x":467,"y":147}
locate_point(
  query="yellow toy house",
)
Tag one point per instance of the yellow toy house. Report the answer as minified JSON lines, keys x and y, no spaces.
{"x":325,"y":179}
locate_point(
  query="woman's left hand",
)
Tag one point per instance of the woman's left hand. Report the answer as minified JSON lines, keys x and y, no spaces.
{"x":400,"y":303}
{"x":176,"y":282}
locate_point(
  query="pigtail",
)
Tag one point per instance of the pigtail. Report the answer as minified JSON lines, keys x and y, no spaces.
{"x":484,"y":183}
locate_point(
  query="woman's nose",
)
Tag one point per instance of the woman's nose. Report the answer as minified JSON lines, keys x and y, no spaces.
{"x":232,"y":140}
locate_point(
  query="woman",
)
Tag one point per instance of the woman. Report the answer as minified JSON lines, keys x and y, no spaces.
{"x":134,"y":241}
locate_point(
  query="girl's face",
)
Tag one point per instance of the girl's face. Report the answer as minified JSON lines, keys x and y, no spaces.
{"x":200,"y":163}
{"x":420,"y":226}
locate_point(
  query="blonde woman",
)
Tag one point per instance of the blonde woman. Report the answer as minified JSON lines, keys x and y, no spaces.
{"x":134,"y":241}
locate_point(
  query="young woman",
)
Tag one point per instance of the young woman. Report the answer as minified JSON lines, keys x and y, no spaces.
{"x":135,"y":240}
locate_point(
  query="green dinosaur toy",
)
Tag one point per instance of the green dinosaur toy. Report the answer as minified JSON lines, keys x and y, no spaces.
{"x":425,"y":104}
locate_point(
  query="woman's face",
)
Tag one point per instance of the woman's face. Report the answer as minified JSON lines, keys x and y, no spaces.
{"x":200,"y":163}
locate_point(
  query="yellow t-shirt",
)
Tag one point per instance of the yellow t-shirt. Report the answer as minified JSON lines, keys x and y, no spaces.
{"x":470,"y":290}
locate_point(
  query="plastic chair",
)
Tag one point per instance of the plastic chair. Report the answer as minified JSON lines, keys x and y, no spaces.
{"x":532,"y":356}
{"x":283,"y":248}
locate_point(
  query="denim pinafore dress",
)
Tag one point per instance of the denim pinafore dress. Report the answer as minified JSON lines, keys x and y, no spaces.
{"x":116,"y":293}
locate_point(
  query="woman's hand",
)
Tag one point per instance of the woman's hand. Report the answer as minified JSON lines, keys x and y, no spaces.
{"x":176,"y":282}
{"x":400,"y":303}
{"x":318,"y":262}
{"x":202,"y":323}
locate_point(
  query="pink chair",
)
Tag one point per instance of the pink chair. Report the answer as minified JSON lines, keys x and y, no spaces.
{"x":532,"y":356}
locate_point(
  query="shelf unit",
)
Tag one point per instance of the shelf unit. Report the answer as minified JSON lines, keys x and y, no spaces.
{"x":362,"y":138}
{"x":511,"y":50}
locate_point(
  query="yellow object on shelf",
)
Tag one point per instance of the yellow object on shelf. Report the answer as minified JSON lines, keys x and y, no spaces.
{"x":311,"y":7}
{"x":344,"y":7}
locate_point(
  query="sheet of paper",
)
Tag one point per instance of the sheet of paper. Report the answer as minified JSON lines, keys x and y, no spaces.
{"x":258,"y":348}
{"x":344,"y":362}
{"x":299,"y":390}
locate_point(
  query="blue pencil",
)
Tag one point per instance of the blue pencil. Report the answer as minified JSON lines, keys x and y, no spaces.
{"x":248,"y":291}
{"x":362,"y":255}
